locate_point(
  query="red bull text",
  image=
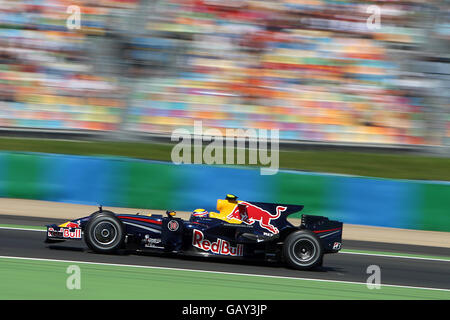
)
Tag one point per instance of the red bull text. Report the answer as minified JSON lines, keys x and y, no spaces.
{"x":220,"y":246}
{"x":65,"y":233}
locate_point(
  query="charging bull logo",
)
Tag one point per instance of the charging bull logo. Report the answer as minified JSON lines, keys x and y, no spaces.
{"x":72,"y":225}
{"x":251,"y":213}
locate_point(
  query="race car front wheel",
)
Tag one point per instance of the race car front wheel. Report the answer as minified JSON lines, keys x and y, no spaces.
{"x":104,"y":233}
{"x":302,"y":250}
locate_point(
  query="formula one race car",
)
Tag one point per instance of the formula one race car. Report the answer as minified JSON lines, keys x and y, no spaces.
{"x":240,"y":230}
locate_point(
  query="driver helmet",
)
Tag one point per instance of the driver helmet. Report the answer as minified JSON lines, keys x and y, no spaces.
{"x":231,"y":197}
{"x":200,"y":213}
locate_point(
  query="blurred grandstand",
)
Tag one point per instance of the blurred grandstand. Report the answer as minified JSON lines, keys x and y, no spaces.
{"x":310,"y":68}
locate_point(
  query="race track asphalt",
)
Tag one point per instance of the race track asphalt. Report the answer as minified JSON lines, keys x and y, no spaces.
{"x":342,"y":267}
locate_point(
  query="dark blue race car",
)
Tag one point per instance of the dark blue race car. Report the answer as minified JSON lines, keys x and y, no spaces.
{"x":239,"y":230}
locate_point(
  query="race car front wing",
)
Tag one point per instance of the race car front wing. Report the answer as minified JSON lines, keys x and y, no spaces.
{"x":57,"y":233}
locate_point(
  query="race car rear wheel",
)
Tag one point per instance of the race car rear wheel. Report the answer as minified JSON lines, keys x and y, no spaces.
{"x":302,"y":250}
{"x":104,"y":233}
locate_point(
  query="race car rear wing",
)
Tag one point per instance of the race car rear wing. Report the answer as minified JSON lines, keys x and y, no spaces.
{"x":328,"y":231}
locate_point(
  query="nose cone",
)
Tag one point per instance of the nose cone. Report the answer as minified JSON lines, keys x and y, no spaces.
{"x":69,"y":224}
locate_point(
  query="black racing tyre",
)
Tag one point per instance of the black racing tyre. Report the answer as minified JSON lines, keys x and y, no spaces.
{"x":302,"y":250}
{"x":104,"y":232}
{"x":104,"y":212}
{"x":107,"y":212}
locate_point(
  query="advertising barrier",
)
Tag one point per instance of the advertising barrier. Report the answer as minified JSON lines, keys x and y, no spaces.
{"x":125,"y":182}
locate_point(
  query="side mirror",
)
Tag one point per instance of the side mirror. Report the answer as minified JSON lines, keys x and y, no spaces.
{"x":171,"y":213}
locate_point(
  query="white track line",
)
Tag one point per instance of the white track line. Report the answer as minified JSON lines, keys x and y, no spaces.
{"x":217,"y":272}
{"x":394,"y":256}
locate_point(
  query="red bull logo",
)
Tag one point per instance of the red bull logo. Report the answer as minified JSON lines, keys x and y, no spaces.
{"x":254,"y":213}
{"x":76,"y":234}
{"x":65,"y":233}
{"x":72,"y":225}
{"x":218,"y":247}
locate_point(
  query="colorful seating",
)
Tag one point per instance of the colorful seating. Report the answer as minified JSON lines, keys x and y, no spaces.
{"x":251,"y":66}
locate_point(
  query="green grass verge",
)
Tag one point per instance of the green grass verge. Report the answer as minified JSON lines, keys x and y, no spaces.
{"x":400,"y":166}
{"x":45,"y":279}
{"x":16,"y":226}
